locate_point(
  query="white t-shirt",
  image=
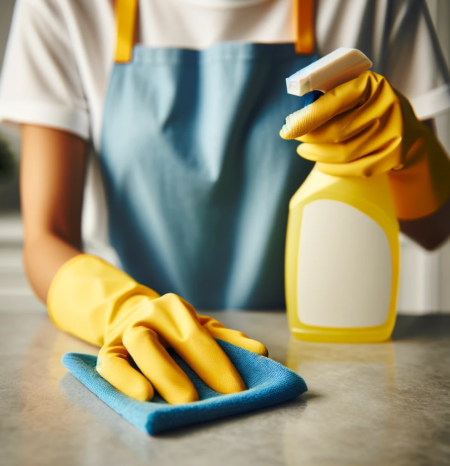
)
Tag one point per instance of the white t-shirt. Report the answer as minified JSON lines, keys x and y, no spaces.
{"x":60,"y":53}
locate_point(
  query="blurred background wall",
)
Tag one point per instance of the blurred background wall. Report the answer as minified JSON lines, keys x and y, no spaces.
{"x":425,"y":277}
{"x":9,"y":192}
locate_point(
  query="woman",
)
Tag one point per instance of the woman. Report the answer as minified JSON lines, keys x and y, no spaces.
{"x":197,"y":180}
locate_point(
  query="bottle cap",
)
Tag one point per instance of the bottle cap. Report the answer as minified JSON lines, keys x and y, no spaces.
{"x":328,"y":72}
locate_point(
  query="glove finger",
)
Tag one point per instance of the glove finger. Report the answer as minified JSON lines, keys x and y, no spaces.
{"x":365,"y":146}
{"x":177,"y":322}
{"x":380,"y":161}
{"x":359,"y":146}
{"x":345,"y":97}
{"x":157,"y":365}
{"x":113,"y":366}
{"x":218,"y":330}
{"x":377,"y":119}
{"x":349,"y":125}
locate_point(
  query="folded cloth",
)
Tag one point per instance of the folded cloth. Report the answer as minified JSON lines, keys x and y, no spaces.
{"x":267,"y":382}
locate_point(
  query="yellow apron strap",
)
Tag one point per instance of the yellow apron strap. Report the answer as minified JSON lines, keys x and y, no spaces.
{"x":304,"y":15}
{"x":126,"y":21}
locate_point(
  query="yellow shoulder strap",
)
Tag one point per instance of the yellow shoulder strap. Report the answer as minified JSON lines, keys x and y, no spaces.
{"x":125,"y":22}
{"x":304,"y":15}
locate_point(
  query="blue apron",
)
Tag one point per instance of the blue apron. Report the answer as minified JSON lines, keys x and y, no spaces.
{"x":197,"y":178}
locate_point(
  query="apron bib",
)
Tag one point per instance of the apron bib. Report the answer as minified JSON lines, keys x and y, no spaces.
{"x":197,"y":179}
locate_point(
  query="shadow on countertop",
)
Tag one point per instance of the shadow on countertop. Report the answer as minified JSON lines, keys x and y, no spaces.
{"x":431,"y":326}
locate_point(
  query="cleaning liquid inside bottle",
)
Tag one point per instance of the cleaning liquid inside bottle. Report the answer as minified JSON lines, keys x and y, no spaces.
{"x":342,"y":259}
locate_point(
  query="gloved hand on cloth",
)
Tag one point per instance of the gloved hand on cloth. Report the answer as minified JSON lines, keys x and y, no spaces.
{"x":102,"y":305}
{"x":365,"y":127}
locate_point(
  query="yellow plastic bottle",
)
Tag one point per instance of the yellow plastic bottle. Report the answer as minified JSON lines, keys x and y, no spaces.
{"x":342,"y":246}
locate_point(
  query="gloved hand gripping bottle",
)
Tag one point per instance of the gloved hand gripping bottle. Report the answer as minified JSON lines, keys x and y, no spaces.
{"x":342,"y":247}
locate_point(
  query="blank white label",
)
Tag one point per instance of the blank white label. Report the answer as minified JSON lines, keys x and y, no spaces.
{"x":344,"y":267}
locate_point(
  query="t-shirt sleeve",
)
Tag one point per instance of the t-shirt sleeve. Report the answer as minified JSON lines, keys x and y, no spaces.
{"x":40,"y":81}
{"x":413,"y":61}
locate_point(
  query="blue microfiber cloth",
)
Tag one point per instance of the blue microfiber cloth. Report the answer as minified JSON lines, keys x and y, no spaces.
{"x":267,"y":382}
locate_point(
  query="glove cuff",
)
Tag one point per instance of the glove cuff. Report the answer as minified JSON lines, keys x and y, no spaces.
{"x":86,"y":295}
{"x":422,"y":186}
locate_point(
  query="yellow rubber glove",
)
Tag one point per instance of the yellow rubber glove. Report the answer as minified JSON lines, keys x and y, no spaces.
{"x":102,"y":305}
{"x":365,"y":127}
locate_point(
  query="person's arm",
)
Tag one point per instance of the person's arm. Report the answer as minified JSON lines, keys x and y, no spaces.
{"x":432,"y":231}
{"x":429,"y":232}
{"x":94,"y":301}
{"x":52,"y":172}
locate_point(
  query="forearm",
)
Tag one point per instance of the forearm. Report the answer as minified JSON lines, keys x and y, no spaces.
{"x":431,"y":231}
{"x":43,"y":256}
{"x":52,"y":175}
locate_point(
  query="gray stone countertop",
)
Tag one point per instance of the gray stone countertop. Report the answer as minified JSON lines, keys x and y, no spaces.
{"x":374,"y":404}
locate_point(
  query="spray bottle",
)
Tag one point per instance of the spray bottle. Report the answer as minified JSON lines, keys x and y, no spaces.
{"x":342,"y":246}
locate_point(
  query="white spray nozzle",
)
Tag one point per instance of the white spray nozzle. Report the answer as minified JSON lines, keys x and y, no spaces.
{"x":330,"y":71}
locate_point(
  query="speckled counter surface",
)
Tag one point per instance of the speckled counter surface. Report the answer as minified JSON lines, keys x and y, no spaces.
{"x":379,"y":404}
